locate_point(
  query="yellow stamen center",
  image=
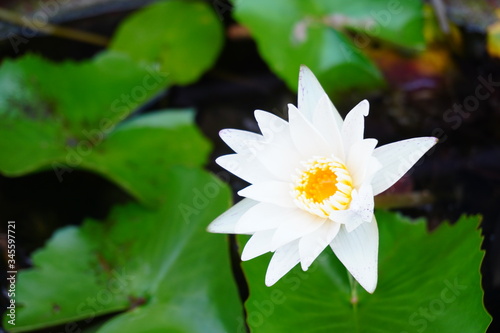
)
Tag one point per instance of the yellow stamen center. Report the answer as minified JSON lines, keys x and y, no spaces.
{"x":323,"y":185}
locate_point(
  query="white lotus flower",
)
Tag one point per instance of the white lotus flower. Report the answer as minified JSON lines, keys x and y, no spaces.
{"x":313,"y":180}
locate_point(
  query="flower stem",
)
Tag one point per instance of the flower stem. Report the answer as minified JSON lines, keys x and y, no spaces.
{"x":354,"y":290}
{"x":55,"y":30}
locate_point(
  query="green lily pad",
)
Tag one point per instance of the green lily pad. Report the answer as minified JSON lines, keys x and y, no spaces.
{"x":138,"y":151}
{"x":183,"y":37}
{"x":427,"y":283}
{"x":158,"y":270}
{"x":313,"y":33}
{"x":400,"y":23}
{"x":67,"y":116}
{"x":48,"y":109}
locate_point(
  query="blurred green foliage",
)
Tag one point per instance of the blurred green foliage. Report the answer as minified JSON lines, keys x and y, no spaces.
{"x":183,"y":37}
{"x":316,"y":33}
{"x":48,"y":110}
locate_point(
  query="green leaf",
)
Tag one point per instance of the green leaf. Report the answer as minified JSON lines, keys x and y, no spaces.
{"x":303,"y":33}
{"x":138,"y":152}
{"x":160,"y":268}
{"x":48,"y":109}
{"x":426,"y":283}
{"x":64,"y":117}
{"x":183,"y":37}
{"x":398,"y":22}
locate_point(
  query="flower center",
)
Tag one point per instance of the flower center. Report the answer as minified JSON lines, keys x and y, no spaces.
{"x":322,"y":186}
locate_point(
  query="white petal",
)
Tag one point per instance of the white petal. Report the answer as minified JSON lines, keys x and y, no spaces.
{"x":263,"y":216}
{"x":257,"y":245}
{"x":310,"y":93}
{"x":274,"y":192}
{"x":245,"y":166}
{"x":280,"y":160}
{"x":354,"y":125}
{"x":360,"y":210}
{"x":358,"y":251}
{"x":358,"y":160}
{"x":311,"y":245}
{"x":305,"y":137}
{"x":326,"y":124}
{"x":271,"y":125}
{"x":236,"y":139}
{"x":226,"y":222}
{"x":397,"y":158}
{"x":373,"y":166}
{"x":277,"y":152}
{"x":283,"y":260}
{"x":295,"y":225}
{"x":275,"y":130}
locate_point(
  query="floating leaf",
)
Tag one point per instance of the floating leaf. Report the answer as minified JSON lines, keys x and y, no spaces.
{"x":71,"y":123}
{"x":159,"y":268}
{"x":426,"y":283}
{"x":397,"y":22}
{"x":48,"y":109}
{"x":184,"y":37}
